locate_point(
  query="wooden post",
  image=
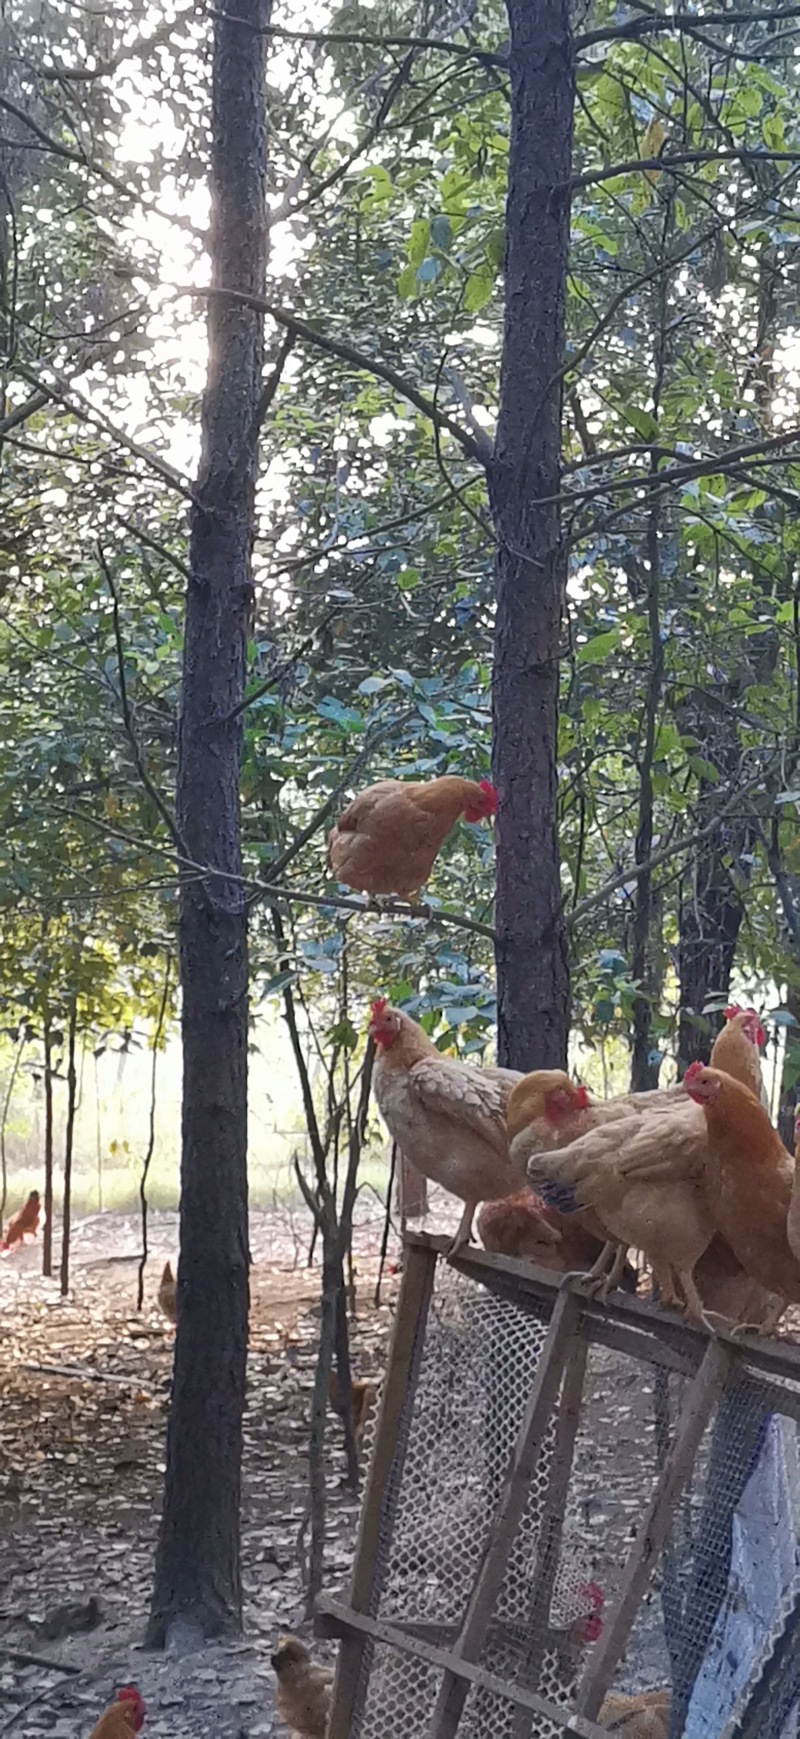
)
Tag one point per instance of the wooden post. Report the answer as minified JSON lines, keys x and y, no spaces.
{"x":551,"y":1525}
{"x":452,"y":1695}
{"x":701,"y":1399}
{"x":402,"y":1369}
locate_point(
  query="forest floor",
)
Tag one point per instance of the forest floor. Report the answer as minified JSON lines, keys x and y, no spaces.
{"x":84,"y":1385}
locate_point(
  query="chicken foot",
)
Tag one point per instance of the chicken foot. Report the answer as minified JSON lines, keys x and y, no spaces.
{"x":464,"y":1229}
{"x":597,"y":1277}
{"x":768,"y":1326}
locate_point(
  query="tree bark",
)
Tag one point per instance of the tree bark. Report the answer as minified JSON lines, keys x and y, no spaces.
{"x":198,"y":1575}
{"x":47,"y":1235}
{"x":69,"y":1143}
{"x":530,"y":566}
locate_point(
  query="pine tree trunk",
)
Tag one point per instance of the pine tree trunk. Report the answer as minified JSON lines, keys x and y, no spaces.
{"x":530,"y":569}
{"x":69,"y":1143}
{"x":198,"y":1576}
{"x":47,"y":1235}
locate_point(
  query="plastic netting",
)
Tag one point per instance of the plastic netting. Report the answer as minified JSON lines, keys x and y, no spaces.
{"x":709,"y":1611}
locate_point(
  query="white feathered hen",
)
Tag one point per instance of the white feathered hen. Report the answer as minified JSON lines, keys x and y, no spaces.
{"x":448,"y":1118}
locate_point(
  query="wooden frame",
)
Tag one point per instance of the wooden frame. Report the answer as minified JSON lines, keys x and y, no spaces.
{"x":576,"y":1322}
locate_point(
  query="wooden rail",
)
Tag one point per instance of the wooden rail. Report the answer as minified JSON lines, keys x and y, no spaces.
{"x":576,"y":1321}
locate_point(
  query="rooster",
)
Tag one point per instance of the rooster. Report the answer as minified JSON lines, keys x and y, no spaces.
{"x":26,"y":1219}
{"x":448,"y":1119}
{"x":387,"y":840}
{"x":304,"y":1689}
{"x":123,"y":1718}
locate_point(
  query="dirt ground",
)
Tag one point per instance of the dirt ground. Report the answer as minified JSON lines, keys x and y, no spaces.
{"x":83,"y":1399}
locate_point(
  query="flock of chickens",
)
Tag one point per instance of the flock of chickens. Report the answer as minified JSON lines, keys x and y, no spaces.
{"x":694,"y":1176}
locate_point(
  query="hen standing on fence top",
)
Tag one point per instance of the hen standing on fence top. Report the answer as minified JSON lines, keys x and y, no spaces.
{"x":448,"y":1119}
{"x":388,"y":839}
{"x":751,"y":1183}
{"x":668,"y":1217}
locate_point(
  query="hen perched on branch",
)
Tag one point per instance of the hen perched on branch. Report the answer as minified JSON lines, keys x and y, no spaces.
{"x":387,"y":840}
{"x":448,"y":1119}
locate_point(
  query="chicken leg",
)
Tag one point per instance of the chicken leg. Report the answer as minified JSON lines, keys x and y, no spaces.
{"x":464,"y":1229}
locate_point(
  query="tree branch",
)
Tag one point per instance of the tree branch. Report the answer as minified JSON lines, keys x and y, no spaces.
{"x":394,"y":908}
{"x":677,"y":158}
{"x":354,"y":39}
{"x":480,"y":451}
{"x":150,"y":787}
{"x":659,"y":23}
{"x":686,"y":843}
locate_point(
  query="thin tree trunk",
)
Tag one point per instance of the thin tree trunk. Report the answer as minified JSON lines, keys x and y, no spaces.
{"x":47,"y":1235}
{"x":69,"y":1142}
{"x":530,"y":568}
{"x":198,"y":1570}
{"x":10,"y":1085}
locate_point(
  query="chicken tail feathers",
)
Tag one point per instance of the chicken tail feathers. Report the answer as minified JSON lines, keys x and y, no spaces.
{"x":559,"y":1196}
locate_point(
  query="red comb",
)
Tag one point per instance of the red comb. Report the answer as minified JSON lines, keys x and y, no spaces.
{"x":490,"y":791}
{"x":379,"y":1007}
{"x":129,"y":1694}
{"x":732,"y":1010}
{"x":693,"y":1071}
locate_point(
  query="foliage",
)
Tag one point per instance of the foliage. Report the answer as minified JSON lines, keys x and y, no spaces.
{"x":373,"y":615}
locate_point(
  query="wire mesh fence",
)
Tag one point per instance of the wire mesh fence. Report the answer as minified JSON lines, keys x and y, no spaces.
{"x":645,"y":1540}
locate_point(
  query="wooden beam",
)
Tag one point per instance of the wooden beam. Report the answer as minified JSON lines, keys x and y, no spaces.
{"x":342,"y":1621}
{"x":452,"y":1695}
{"x":380,"y":1498}
{"x":551,"y":1526}
{"x":653,"y":1531}
{"x":683,"y":1345}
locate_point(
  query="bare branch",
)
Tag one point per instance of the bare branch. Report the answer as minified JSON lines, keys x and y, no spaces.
{"x":480,"y":451}
{"x":676,"y":849}
{"x":675,"y":159}
{"x":151,"y":1140}
{"x":152,"y":789}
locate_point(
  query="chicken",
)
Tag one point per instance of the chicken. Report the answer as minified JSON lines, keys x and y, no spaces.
{"x":552,"y":1111}
{"x":168,"y":1293}
{"x":123,"y":1718}
{"x":737,"y":1049}
{"x":387,"y":840}
{"x":673,"y":1225}
{"x":749,"y":1178}
{"x":25,"y":1220}
{"x":524,"y":1226}
{"x":642,"y":1717}
{"x":448,"y":1119}
{"x":304,"y":1689}
{"x":362,"y":1400}
{"x":793,"y":1216}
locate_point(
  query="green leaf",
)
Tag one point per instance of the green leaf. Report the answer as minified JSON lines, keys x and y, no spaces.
{"x":418,"y":241}
{"x":594,"y":650}
{"x":478,"y":292}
